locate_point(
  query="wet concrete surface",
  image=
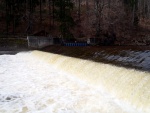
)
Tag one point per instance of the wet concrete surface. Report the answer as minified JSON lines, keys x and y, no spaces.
{"x":136,"y":57}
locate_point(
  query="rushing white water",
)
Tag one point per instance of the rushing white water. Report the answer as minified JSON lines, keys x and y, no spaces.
{"x":38,"y":82}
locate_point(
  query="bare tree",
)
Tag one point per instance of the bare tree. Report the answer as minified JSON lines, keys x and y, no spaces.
{"x":99,"y":6}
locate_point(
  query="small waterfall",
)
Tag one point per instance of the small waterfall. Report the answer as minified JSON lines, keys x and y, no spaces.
{"x":130,"y":87}
{"x":40,"y":82}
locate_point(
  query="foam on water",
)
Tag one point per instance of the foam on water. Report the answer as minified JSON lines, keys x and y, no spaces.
{"x":38,"y":82}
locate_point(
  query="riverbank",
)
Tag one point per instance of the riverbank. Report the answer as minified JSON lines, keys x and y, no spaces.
{"x":13,"y":44}
{"x":12,"y":50}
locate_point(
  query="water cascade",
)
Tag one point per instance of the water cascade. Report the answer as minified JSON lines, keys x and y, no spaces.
{"x":128,"y":85}
{"x":79,"y":86}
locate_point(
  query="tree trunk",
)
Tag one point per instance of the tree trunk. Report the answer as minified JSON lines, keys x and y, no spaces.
{"x":135,"y":18}
{"x":40,"y":12}
{"x":7,"y":17}
{"x":53,"y":7}
{"x":13,"y":14}
{"x":79,"y":9}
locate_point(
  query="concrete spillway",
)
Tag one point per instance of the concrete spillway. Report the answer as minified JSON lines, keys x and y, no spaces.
{"x":45,"y":82}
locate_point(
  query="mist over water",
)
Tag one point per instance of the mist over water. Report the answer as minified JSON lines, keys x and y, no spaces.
{"x":36,"y":82}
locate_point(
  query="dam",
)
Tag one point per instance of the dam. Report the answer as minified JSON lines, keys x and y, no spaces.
{"x":41,"y":82}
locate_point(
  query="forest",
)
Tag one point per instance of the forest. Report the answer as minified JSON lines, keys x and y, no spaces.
{"x":126,"y":22}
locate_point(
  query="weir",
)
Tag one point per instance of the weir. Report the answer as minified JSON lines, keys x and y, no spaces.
{"x":129,"y":87}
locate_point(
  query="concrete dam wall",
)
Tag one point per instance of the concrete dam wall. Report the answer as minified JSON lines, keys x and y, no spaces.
{"x":39,"y":41}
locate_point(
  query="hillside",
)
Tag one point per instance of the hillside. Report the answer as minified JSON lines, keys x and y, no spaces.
{"x":100,"y":19}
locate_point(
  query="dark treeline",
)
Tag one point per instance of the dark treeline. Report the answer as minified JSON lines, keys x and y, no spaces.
{"x":74,"y":18}
{"x":29,"y":12}
{"x":16,"y":11}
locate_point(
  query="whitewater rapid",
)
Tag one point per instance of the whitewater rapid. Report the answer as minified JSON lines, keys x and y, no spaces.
{"x":30,"y":85}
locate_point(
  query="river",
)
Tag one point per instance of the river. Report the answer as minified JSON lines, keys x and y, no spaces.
{"x":39,"y":82}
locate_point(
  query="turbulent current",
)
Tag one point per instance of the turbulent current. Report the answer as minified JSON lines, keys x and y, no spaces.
{"x":39,"y":82}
